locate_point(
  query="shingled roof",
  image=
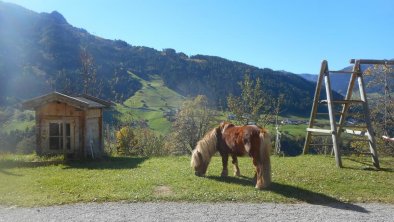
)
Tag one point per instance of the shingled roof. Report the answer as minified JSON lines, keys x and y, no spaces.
{"x":81,"y":101}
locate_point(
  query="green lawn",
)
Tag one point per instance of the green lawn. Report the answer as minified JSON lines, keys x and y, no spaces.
{"x":30,"y":181}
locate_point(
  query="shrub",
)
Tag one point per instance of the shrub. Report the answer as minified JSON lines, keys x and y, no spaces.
{"x":139,"y":141}
{"x":125,"y":140}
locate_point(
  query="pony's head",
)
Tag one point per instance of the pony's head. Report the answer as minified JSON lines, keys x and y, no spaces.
{"x":205,"y":148}
{"x":198,"y":163}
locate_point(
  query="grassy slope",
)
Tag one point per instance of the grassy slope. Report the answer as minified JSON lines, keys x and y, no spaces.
{"x":150,"y":102}
{"x":15,"y":123}
{"x":28,"y":181}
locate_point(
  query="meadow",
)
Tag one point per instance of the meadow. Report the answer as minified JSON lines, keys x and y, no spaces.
{"x":28,"y":180}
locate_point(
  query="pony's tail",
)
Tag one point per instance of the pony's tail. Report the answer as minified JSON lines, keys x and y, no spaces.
{"x":265,"y":147}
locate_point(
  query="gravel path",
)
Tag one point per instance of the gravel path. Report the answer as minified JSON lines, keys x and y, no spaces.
{"x":168,"y":211}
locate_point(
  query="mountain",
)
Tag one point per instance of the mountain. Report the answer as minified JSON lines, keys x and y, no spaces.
{"x":340,"y":81}
{"x":41,"y":52}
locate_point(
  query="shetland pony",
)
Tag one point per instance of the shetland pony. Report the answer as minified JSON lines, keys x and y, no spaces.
{"x":233,"y":140}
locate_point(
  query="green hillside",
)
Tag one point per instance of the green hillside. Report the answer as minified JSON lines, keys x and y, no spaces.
{"x":150,"y":103}
{"x":45,"y":55}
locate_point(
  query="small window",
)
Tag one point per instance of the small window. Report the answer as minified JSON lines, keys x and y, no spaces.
{"x":56,"y":135}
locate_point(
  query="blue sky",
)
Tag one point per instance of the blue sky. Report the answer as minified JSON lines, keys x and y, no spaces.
{"x":292,"y":35}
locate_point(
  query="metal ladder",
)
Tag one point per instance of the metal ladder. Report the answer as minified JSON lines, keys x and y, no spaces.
{"x":336,"y":129}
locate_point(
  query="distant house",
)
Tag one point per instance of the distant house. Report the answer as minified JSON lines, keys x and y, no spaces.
{"x":231,"y":116}
{"x":68,"y":125}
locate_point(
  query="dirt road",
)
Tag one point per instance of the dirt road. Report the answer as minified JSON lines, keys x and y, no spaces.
{"x":169,"y":211}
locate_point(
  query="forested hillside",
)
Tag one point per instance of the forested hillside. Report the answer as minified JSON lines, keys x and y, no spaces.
{"x":41,"y":52}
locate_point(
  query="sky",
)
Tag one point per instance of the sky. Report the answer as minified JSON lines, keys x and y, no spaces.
{"x":290,"y":35}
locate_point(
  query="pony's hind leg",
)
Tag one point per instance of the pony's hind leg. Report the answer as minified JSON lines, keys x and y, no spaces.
{"x":236,"y":168}
{"x":224,"y":163}
{"x":258,"y":174}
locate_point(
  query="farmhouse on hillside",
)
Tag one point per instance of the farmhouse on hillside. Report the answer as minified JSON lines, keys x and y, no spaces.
{"x":68,"y":125}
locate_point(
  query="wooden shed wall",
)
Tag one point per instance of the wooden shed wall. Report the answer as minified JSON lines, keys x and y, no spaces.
{"x":93,"y":132}
{"x":59,"y":112}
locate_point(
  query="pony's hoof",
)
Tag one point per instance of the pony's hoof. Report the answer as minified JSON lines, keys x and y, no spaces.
{"x":224,"y":174}
{"x":261,"y":187}
{"x":198,"y":174}
{"x":237,"y":174}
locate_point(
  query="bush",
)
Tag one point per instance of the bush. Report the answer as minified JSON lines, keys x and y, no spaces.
{"x":139,"y":141}
{"x":125,"y":140}
{"x":149,"y":144}
{"x":292,"y":146}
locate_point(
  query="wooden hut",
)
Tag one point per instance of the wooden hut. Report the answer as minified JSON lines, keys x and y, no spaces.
{"x":68,"y":125}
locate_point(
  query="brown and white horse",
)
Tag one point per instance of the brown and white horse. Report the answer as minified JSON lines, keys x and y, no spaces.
{"x":233,"y":140}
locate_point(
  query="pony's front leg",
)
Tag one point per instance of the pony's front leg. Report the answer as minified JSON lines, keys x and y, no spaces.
{"x":236,"y":168}
{"x":224,"y":163}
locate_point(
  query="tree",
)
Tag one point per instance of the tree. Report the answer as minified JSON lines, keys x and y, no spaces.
{"x":252,"y":106}
{"x":382,"y":104}
{"x":91,"y":84}
{"x":193,"y":120}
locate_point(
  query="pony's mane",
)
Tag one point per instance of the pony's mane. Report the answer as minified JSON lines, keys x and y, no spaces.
{"x":207,"y":145}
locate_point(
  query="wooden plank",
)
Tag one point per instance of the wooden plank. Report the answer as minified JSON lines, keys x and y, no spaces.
{"x":356,"y":132}
{"x":38,"y":132}
{"x":341,"y":101}
{"x":320,"y":144}
{"x":344,"y":72}
{"x":359,"y":140}
{"x":372,"y":61}
{"x":64,"y":145}
{"x":332,"y":121}
{"x":101,"y":132}
{"x":316,"y":134}
{"x":328,"y":131}
{"x":93,"y":113}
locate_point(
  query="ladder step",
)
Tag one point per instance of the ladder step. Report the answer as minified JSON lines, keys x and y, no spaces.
{"x":340,"y":113}
{"x":328,"y":131}
{"x":356,"y":132}
{"x":320,"y":144}
{"x":344,"y":72}
{"x":337,"y":113}
{"x":341,"y":101}
{"x":322,"y":135}
{"x":355,"y":126}
{"x":359,"y":140}
{"x":372,"y":61}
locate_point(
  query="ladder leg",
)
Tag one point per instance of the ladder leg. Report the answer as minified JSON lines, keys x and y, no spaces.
{"x":349,"y":92}
{"x":323,"y":69}
{"x":332,"y":120}
{"x":370,"y":134}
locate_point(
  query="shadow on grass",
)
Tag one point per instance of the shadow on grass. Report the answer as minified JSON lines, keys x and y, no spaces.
{"x":297,"y":193}
{"x":9,"y":173}
{"x":367,"y":165}
{"x":107,"y":163}
{"x":9,"y":164}
{"x":242,"y":180}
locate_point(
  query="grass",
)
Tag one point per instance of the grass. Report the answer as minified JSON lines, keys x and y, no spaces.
{"x":33,"y":181}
